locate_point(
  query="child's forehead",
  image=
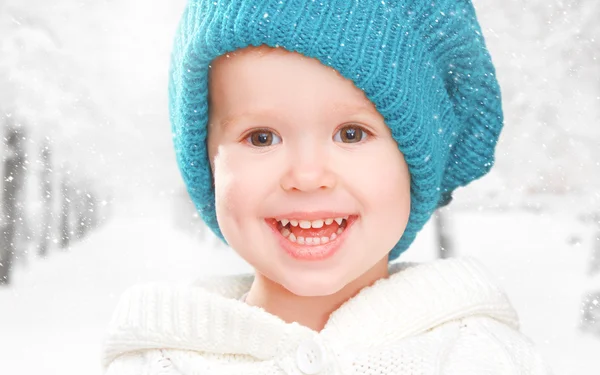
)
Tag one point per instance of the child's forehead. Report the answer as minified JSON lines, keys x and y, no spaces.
{"x":250,"y":113}
{"x":231,"y":80}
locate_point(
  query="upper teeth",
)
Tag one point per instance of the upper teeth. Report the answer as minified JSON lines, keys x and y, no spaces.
{"x":305,"y":224}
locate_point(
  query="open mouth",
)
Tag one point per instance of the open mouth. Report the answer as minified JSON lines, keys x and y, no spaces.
{"x":315,"y":232}
{"x":311,"y":239}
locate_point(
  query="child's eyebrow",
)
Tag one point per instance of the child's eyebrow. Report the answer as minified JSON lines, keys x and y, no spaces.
{"x":253,"y":115}
{"x":271,"y":113}
{"x":355,"y":108}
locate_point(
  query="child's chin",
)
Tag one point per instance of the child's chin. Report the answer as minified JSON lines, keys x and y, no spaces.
{"x":316,"y":288}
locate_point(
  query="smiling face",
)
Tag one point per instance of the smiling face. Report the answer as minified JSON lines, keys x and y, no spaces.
{"x":294,"y":146}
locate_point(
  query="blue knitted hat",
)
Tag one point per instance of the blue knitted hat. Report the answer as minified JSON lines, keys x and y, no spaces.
{"x":424,"y":65}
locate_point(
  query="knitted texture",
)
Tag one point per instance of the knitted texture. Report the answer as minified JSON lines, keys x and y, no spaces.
{"x":445,"y":317}
{"x":423,"y":64}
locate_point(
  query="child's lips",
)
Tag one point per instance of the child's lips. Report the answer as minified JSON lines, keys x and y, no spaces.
{"x":309,"y":251}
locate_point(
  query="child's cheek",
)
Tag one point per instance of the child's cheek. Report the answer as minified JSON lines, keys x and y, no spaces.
{"x":225,"y":184}
{"x":239,"y":186}
{"x":388,"y":188}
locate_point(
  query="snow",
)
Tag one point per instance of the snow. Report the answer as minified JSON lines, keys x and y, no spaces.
{"x":91,"y":76}
{"x":544,"y":276}
{"x":59,"y":308}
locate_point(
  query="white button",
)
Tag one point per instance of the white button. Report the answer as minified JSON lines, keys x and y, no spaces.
{"x":310,"y":357}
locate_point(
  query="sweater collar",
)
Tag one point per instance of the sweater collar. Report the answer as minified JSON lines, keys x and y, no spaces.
{"x":209,"y":317}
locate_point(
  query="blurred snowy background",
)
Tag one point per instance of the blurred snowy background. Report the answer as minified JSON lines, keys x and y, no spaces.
{"x":92,"y":202}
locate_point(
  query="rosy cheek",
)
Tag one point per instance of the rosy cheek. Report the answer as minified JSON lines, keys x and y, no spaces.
{"x":225,"y":182}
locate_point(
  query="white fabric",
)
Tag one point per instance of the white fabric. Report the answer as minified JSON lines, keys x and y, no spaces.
{"x":443,"y":317}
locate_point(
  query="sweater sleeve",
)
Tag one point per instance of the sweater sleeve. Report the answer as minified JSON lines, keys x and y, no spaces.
{"x":487,"y":346}
{"x":150,"y":362}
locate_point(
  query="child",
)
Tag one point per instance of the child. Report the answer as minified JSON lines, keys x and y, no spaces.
{"x":317,"y":138}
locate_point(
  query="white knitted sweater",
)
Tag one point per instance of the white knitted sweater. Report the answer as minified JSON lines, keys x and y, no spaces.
{"x":444,"y":317}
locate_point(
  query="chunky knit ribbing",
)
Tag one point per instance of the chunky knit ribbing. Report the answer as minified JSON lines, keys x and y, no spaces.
{"x":446,"y":317}
{"x":424,"y":65}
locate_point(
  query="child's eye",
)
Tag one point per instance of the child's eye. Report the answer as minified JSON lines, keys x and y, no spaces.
{"x":350,"y":134}
{"x":263,"y":138}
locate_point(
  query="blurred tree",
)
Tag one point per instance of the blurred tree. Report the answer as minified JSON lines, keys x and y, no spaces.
{"x":546,"y":56}
{"x":81,"y":225}
{"x":443,"y":234}
{"x":47,"y":201}
{"x":12,"y":190}
{"x":85,"y":210}
{"x":590,"y":313}
{"x":47,"y":79}
{"x":65,"y":211}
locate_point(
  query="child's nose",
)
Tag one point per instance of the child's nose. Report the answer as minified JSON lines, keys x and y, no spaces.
{"x":308,"y":170}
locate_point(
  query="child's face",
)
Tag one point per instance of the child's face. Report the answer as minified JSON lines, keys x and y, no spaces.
{"x":289,"y":136}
